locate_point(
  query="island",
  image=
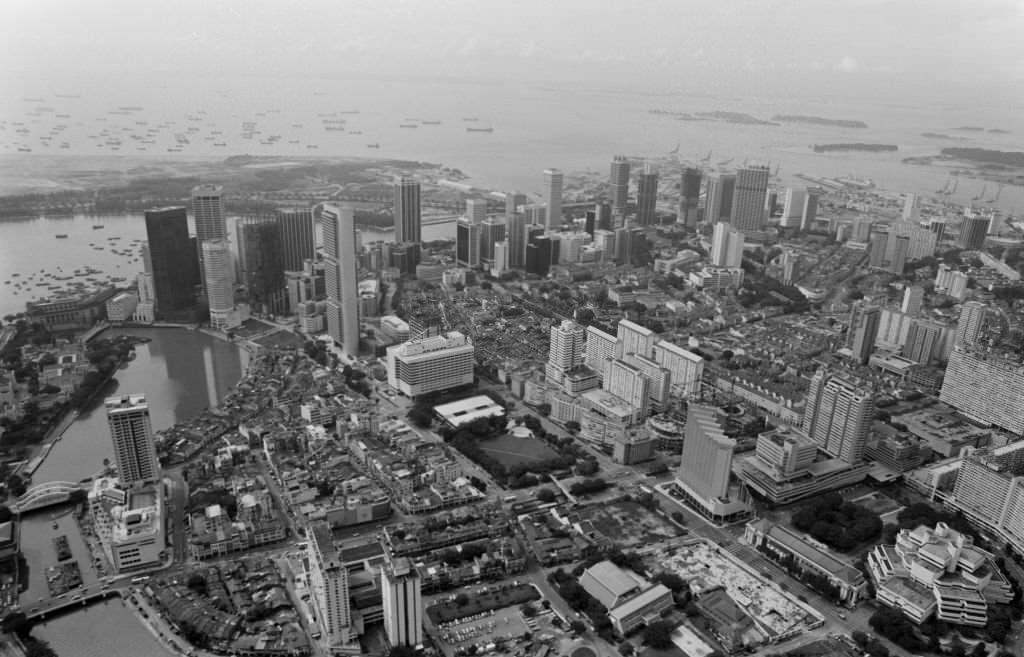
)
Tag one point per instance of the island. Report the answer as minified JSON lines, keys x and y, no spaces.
{"x":936,"y":135}
{"x":970,"y":128}
{"x":872,"y":148}
{"x":734,"y":117}
{"x":998,"y":131}
{"x":818,"y":120}
{"x":985,"y":156}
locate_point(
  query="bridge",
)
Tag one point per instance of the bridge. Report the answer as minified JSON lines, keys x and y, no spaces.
{"x":43,"y":495}
{"x":39,"y":609}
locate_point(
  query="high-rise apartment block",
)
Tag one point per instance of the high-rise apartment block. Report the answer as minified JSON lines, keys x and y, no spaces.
{"x":685,"y":368}
{"x":431,"y":364}
{"x":793,"y":208}
{"x":838,"y":415}
{"x":619,"y":179}
{"x":864,"y":321}
{"x":972,"y":319}
{"x":913,"y":297}
{"x":341,"y":272}
{"x":566,"y":350}
{"x":629,"y":384}
{"x":553,"y":197}
{"x":403,"y":602}
{"x":647,"y":197}
{"x":951,"y":281}
{"x":748,"y":198}
{"x":328,"y":581}
{"x":407,"y":209}
{"x":635,"y":339}
{"x":726,"y":246}
{"x":599,"y":347}
{"x":134,"y":445}
{"x":985,"y":387}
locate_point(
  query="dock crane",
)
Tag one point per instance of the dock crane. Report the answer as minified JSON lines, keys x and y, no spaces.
{"x":981,"y":194}
{"x":706,"y":158}
{"x":956,"y":181}
{"x":999,"y":193}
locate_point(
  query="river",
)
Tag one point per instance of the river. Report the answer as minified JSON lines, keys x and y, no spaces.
{"x":181,"y":373}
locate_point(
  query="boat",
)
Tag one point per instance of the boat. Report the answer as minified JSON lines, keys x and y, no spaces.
{"x":97,"y":226}
{"x":373,"y":145}
{"x":425,"y":122}
{"x":408,"y":125}
{"x":479,"y":129}
{"x":470,"y":118}
{"x":62,"y":236}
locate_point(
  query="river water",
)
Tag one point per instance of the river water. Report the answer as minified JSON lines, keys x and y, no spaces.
{"x":181,"y":373}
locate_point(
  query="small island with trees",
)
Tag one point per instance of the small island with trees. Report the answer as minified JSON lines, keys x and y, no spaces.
{"x":818,"y":120}
{"x":871,"y":148}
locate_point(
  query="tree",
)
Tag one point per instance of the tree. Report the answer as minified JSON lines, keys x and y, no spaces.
{"x":626,"y":649}
{"x":658,"y":635}
{"x":587,"y":467}
{"x":672,"y":581}
{"x":486,"y":285}
{"x":546,"y":495}
{"x":578,"y":626}
{"x":572,"y":426}
{"x":544,"y":409}
{"x":528,"y":610}
{"x":462,"y":600}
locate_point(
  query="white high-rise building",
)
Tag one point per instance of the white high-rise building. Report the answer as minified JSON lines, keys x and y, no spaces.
{"x":793,"y":208}
{"x":726,"y":246}
{"x":968,"y":327}
{"x":476,"y":210}
{"x":748,"y":211}
{"x":685,"y":367}
{"x":403,"y":603}
{"x":217,"y":275}
{"x":208,"y":211}
{"x":706,"y":466}
{"x":132,"y":434}
{"x":328,"y":580}
{"x":619,"y":180}
{"x":553,"y":197}
{"x":635,"y":339}
{"x":431,"y":364}
{"x":838,"y":415}
{"x":913,"y":297}
{"x":566,"y":350}
{"x":340,"y":273}
{"x":985,"y":387}
{"x":600,"y":347}
{"x":629,"y":384}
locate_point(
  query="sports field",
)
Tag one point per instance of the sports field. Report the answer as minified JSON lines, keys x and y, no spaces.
{"x":511,"y":450}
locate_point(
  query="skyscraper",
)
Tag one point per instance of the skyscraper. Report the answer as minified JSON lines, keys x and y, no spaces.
{"x":553,"y":197}
{"x":726,"y":246}
{"x":132,"y":434}
{"x":864,"y":328}
{"x":748,"y":198}
{"x":985,"y":387}
{"x":566,"y":350}
{"x":911,"y":208}
{"x":476,"y":210}
{"x":467,"y":243}
{"x":837,"y":416}
{"x":898,"y":259}
{"x":261,"y":261}
{"x":647,"y":197}
{"x":619,"y":179}
{"x":515,"y":233}
{"x":968,"y":326}
{"x":328,"y":581}
{"x":208,"y":210}
{"x":403,"y":602}
{"x":217,"y":275}
{"x":298,"y":242}
{"x":407,"y":210}
{"x":973,"y":230}
{"x":341,"y":277}
{"x":685,"y":368}
{"x":913,"y":297}
{"x":703,"y":476}
{"x":793,"y":208}
{"x":923,"y":340}
{"x":689,"y":197}
{"x":174,"y":261}
{"x":810,"y":208}
{"x":491,"y":232}
{"x":718,"y":199}
{"x":635,"y":339}
{"x":629,"y":383}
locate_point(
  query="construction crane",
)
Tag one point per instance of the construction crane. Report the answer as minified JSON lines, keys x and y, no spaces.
{"x":706,"y":158}
{"x":999,"y":193}
{"x":949,"y":192}
{"x":981,"y":194}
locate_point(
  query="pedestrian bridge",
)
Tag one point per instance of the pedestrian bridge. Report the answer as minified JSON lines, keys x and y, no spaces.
{"x":43,"y":495}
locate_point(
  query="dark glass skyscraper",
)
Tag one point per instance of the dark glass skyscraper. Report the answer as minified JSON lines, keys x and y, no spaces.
{"x":718,"y":200}
{"x":175,"y":263}
{"x":407,"y":211}
{"x":260,"y":260}
{"x":647,"y":197}
{"x":619,"y":179}
{"x":689,"y":195}
{"x":297,"y":238}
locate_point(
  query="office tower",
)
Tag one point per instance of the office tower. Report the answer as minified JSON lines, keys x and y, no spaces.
{"x":771,"y":201}
{"x":405,"y":257}
{"x":619,"y":179}
{"x":748,"y":198}
{"x":132,"y":434}
{"x":402,"y":601}
{"x":565,"y":351}
{"x":864,"y":321}
{"x":553,"y":197}
{"x":217,"y":269}
{"x":208,"y":211}
{"x":689,"y":197}
{"x":726,"y":246}
{"x":590,"y":222}
{"x":685,"y":367}
{"x":837,"y":416}
{"x":951,"y":281}
{"x":604,"y":216}
{"x":938,"y":226}
{"x":512,"y":202}
{"x":491,"y":232}
{"x":877,"y":246}
{"x":923,"y":340}
{"x":467,"y":243}
{"x":476,"y":210}
{"x":973,"y":230}
{"x":328,"y":580}
{"x":631,"y":246}
{"x":340,"y":272}
{"x":515,"y":233}
{"x":600,"y":346}
{"x":659,"y":381}
{"x":605,"y":241}
{"x":635,"y":339}
{"x":174,"y":262}
{"x":298,"y":238}
{"x":861,"y":230}
{"x":629,"y":384}
{"x":898,"y":260}
{"x":920,"y":241}
{"x":913,"y":297}
{"x":968,"y":326}
{"x":500,"y":263}
{"x":535,"y":213}
{"x":707,"y":454}
{"x":539,"y":252}
{"x":789,"y":263}
{"x":647,"y":197}
{"x":985,"y":387}
{"x":408,"y":222}
{"x":793,"y":208}
{"x":430,"y":364}
{"x":261,"y":261}
{"x":718,"y":199}
{"x":810,"y":208}
{"x":911,"y":208}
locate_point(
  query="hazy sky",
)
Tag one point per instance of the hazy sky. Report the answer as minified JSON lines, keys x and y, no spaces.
{"x":859,"y":44}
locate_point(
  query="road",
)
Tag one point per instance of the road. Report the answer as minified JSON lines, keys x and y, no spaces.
{"x":80,"y":596}
{"x":178,"y":505}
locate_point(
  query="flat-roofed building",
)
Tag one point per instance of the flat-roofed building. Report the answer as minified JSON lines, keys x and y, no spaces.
{"x":985,"y":387}
{"x":457,"y":413}
{"x":703,"y":476}
{"x":600,"y":346}
{"x":635,"y":339}
{"x":686,"y":368}
{"x":605,"y":417}
{"x":631,"y":600}
{"x":431,"y":364}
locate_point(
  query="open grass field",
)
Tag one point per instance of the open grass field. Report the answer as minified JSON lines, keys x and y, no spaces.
{"x":511,"y":450}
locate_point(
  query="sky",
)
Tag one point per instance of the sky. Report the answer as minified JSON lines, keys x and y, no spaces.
{"x":861,"y":46}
